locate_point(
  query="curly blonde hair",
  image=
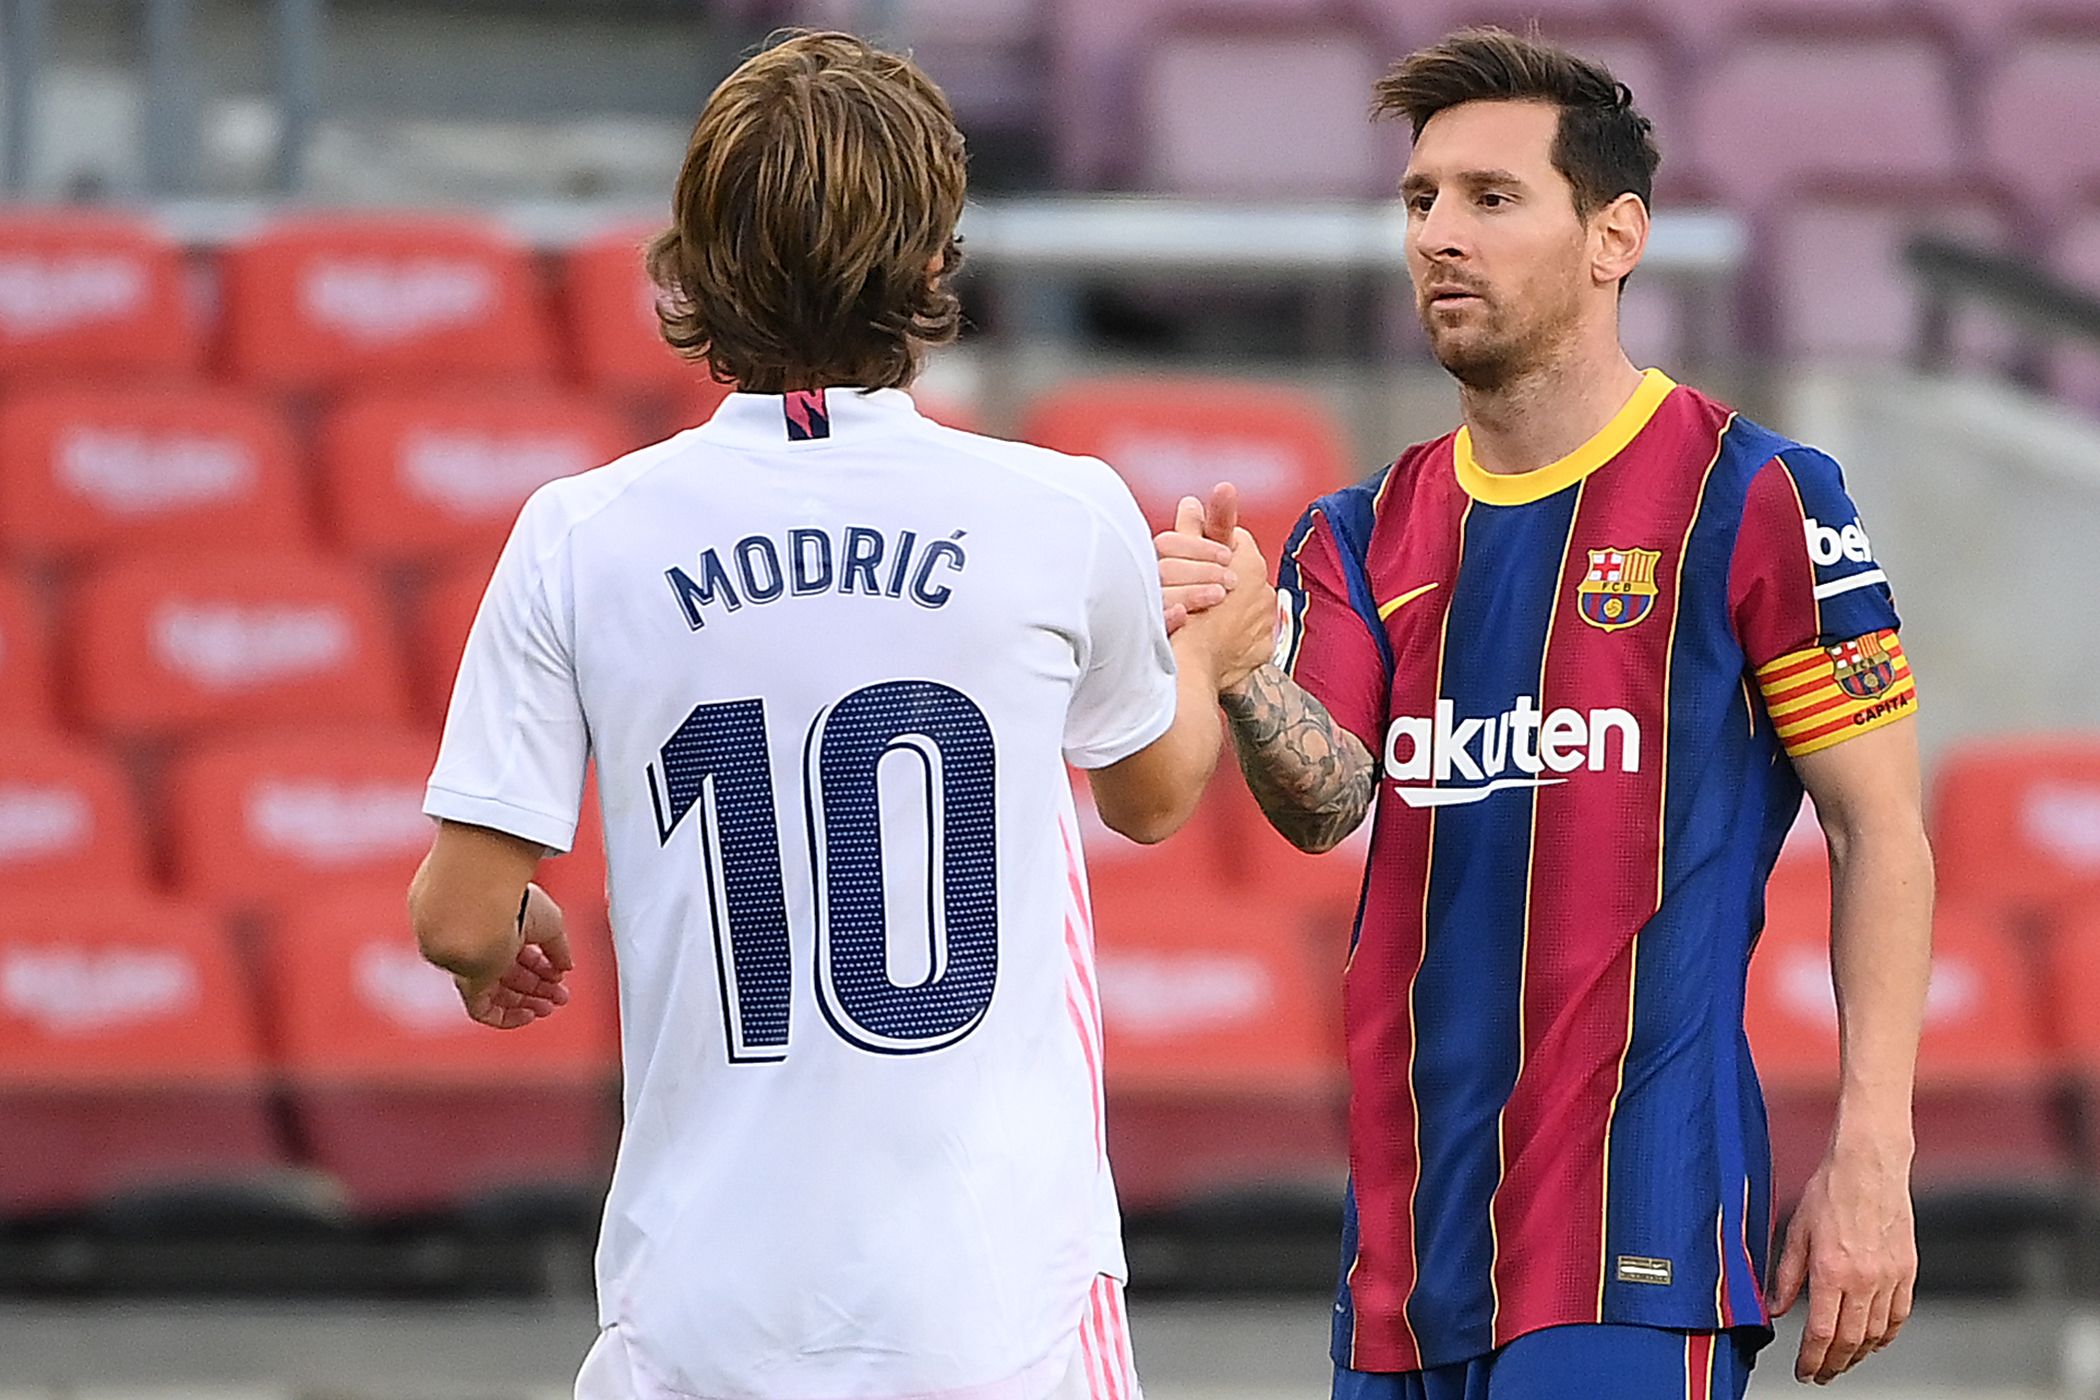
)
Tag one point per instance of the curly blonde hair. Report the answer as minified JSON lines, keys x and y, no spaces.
{"x":813,"y":238}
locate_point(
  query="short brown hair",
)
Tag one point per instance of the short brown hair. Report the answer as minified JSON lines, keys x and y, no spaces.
{"x":1604,"y":146}
{"x":824,"y":176}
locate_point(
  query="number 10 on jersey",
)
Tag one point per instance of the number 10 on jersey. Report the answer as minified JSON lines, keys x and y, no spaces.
{"x":719,"y":763}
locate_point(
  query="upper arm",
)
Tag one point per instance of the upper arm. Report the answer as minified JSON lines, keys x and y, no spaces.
{"x":1124,"y":696}
{"x":1813,"y":610}
{"x":1870,"y":783}
{"x":516,"y":743}
{"x":1325,"y":643}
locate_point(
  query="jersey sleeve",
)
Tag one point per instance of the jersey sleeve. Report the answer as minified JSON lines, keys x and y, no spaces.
{"x":515,"y":743}
{"x":1125,"y":696}
{"x":1813,"y":609}
{"x":1323,"y":642}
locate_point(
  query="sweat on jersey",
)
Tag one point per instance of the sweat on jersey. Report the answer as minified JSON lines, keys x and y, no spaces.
{"x":831,"y":659}
{"x":1582,"y":686}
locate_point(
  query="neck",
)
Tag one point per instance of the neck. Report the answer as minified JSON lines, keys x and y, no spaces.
{"x":1542,"y":415}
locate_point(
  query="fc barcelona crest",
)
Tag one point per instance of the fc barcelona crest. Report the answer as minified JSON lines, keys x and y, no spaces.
{"x":1864,"y":667}
{"x":1619,"y":589}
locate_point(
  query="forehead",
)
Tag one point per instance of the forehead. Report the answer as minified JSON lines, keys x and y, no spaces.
{"x":1516,"y":136}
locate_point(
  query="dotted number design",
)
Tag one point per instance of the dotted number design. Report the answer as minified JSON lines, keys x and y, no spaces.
{"x":717,"y":761}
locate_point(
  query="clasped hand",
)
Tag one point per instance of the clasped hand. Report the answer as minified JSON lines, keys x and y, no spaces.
{"x":1220,"y":609}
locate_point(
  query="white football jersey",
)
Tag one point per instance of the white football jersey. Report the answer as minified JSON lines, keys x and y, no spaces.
{"x":830,"y":658}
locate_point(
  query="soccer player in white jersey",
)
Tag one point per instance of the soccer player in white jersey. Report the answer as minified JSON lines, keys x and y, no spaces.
{"x":831,"y":660}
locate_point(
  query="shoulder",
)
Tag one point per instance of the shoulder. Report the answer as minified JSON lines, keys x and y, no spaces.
{"x":1086,"y":484}
{"x":554,"y":512}
{"x":1767,"y":470}
{"x":1354,"y":512}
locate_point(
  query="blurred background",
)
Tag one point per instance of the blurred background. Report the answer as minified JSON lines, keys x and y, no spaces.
{"x":299,"y":299}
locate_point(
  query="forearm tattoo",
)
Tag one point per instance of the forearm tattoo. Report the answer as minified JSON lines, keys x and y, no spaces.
{"x":1313,"y":778}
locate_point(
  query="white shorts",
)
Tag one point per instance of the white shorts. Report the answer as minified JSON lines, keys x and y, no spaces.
{"x":1102,"y":1367}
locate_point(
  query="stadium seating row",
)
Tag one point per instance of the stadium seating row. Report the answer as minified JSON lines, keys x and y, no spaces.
{"x":1837,"y":148}
{"x":318,"y":303}
{"x":435,"y":477}
{"x":1869,"y":97}
{"x":142,"y":1051}
{"x":1086,"y":52}
{"x":161,"y":1033}
{"x":96,"y":297}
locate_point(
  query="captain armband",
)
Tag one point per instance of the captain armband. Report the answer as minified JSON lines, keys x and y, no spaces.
{"x":1821,"y":696}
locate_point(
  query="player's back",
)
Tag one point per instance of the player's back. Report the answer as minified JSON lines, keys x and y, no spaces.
{"x":832,"y":658}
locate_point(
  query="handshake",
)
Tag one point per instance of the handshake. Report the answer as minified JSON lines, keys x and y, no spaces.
{"x":1220,"y":609}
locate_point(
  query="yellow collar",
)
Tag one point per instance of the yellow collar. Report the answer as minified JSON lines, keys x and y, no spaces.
{"x":1522,"y":488}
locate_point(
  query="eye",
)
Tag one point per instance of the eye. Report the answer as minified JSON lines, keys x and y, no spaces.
{"x":1491,"y":200}
{"x":1419,"y":204}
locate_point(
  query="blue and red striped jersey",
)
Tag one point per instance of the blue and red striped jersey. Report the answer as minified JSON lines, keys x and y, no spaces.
{"x":1582,"y":685}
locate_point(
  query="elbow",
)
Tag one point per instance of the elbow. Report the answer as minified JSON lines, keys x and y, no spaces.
{"x":1147,"y":828}
{"x":1313,"y":843}
{"x":448,"y":936}
{"x":1149,"y":820}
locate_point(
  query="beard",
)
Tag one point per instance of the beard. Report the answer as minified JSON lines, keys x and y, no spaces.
{"x":1490,"y":352}
{"x":1485,"y":358}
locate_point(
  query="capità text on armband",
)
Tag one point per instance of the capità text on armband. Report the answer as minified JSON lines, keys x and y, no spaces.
{"x":761,"y":569}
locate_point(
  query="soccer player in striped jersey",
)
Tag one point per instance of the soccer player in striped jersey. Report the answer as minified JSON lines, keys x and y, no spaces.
{"x":831,"y":659}
{"x":1582,"y":656}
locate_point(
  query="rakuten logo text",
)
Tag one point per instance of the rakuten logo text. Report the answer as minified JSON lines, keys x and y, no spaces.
{"x":1467,"y":760}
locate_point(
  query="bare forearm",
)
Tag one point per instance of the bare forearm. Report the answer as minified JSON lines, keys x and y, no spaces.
{"x":1880,"y":958}
{"x":1152,"y":794}
{"x":465,"y":901}
{"x":1313,"y":778}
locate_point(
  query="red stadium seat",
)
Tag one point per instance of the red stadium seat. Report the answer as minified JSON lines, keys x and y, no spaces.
{"x":262,"y":820}
{"x":439,"y":477}
{"x":1324,"y":889}
{"x":160,"y":648}
{"x":983,"y":53}
{"x":409,"y":1104}
{"x":1224,"y":1073}
{"x":2074,"y":970}
{"x":317,"y":302}
{"x":25,"y":662}
{"x":84,"y":471}
{"x":1096,"y":53}
{"x":2073,"y":967}
{"x":1984,"y":1111}
{"x":1416,"y":23}
{"x":613,"y":330}
{"x":445,"y":612}
{"x":2040,"y":107}
{"x":1778,"y":108}
{"x":1265,"y":113}
{"x":1990,"y":22}
{"x":1706,"y":21}
{"x":1201,"y":850}
{"x":2016,"y":822}
{"x":1836,"y":286}
{"x":68,"y":819}
{"x":129,"y":1053}
{"x":91,"y":293}
{"x":700,"y":400}
{"x":1172,"y":438}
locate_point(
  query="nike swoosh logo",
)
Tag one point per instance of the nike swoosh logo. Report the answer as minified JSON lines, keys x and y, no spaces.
{"x":1386,"y":610}
{"x":1465,"y":796}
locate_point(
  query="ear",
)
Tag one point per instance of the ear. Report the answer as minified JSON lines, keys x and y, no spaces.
{"x":1618,"y":237}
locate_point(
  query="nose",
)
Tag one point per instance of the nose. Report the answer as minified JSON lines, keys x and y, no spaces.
{"x":1438,"y":235}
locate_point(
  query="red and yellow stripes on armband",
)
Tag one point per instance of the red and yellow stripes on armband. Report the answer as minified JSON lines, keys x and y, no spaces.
{"x":1821,"y":696}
